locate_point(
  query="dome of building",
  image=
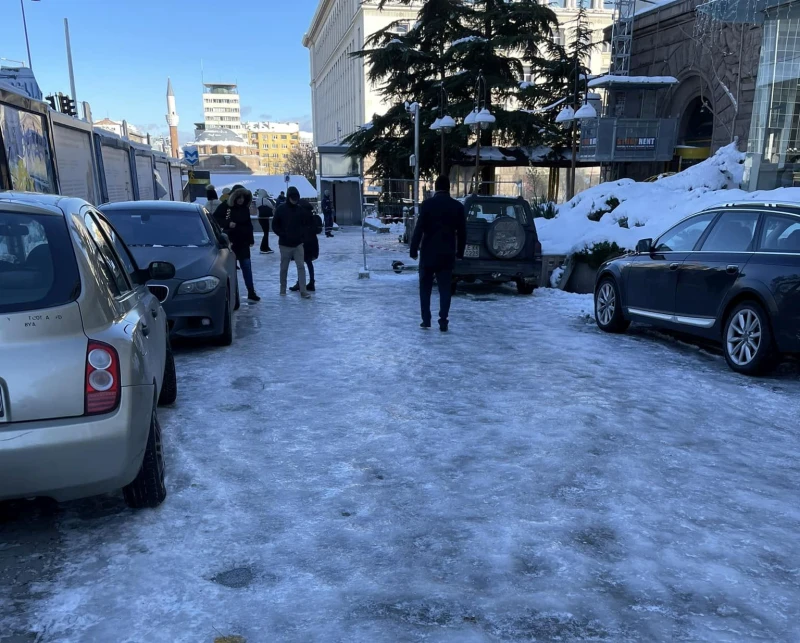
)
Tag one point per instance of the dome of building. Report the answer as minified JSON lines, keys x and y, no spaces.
{"x":219,"y":136}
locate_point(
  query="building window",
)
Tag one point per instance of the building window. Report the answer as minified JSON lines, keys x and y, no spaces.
{"x":283,"y":136}
{"x":560,"y":36}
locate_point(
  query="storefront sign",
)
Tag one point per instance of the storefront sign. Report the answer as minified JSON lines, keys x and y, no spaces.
{"x":636,"y":144}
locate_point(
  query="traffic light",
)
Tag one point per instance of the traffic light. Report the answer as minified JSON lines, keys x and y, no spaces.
{"x":67,"y":105}
{"x":52,"y":100}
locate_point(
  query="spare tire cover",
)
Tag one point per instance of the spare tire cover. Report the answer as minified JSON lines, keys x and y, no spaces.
{"x":505,"y":238}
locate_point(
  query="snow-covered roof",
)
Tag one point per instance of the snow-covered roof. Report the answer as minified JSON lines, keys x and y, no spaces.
{"x":274,"y":184}
{"x":220,"y":136}
{"x":632,"y":81}
{"x":267,"y":126}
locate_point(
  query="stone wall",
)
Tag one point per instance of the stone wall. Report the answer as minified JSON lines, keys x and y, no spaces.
{"x":706,"y":58}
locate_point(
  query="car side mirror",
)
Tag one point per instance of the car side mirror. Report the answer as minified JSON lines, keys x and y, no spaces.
{"x":226,"y":240}
{"x":645,"y":246}
{"x":161,"y":270}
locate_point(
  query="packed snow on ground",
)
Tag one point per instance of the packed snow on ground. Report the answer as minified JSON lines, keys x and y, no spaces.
{"x":651,"y":208}
{"x":339,"y":475}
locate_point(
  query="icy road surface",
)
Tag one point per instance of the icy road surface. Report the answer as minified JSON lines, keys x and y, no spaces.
{"x":340,"y":475}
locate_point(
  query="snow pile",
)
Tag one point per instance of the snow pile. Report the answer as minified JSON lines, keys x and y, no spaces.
{"x":649,"y":209}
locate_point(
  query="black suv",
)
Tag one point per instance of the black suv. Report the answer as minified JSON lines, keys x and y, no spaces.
{"x":729,"y":273}
{"x":502,"y":244}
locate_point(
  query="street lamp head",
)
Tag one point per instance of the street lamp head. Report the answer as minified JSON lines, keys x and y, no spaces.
{"x":565,"y":115}
{"x":436,"y":125}
{"x":470,"y":120}
{"x":447,"y":123}
{"x":485,"y":118}
{"x":586,"y":111}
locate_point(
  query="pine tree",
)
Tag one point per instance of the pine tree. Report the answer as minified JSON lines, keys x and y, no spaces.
{"x":452,"y":44}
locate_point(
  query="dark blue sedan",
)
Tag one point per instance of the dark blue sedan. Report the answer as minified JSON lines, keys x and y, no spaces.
{"x":200,"y":299}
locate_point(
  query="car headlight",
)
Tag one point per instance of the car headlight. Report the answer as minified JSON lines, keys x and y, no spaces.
{"x":200,"y":286}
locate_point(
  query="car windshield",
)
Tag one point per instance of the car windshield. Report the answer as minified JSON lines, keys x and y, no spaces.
{"x":488,"y":211}
{"x":155,"y":227}
{"x":30,"y":247}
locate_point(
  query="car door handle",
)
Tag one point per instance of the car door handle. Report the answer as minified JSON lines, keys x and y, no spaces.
{"x":145,"y":330}
{"x":674,"y":266}
{"x":154,"y":313}
{"x":733,"y":270}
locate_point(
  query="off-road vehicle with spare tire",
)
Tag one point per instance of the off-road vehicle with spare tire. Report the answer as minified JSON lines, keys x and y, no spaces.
{"x":502,"y":243}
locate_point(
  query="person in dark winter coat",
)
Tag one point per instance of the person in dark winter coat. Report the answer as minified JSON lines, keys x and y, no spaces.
{"x":221,"y":211}
{"x":310,"y":248}
{"x":291,"y":223}
{"x":440,"y":235}
{"x":239,"y":228}
{"x":265,"y":214}
{"x":281,"y":198}
{"x":327,"y":212}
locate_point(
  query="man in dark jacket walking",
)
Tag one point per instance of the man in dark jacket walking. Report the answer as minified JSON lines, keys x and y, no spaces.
{"x":327,"y":212}
{"x":239,"y":228}
{"x":440,"y":235}
{"x":291,"y":223}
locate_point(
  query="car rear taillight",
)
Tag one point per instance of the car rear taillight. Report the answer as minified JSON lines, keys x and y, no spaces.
{"x":102,"y":379}
{"x":537,"y":250}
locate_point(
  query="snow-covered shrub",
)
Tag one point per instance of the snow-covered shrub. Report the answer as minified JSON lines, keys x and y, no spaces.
{"x":596,"y":255}
{"x":543,"y":209}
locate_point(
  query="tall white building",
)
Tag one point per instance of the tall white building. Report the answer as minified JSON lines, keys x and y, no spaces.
{"x":221,"y":107}
{"x":342,"y":98}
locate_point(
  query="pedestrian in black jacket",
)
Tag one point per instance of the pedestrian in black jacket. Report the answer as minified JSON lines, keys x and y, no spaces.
{"x":265,"y":214}
{"x":291,"y":223}
{"x":239,"y":228}
{"x":440,"y":235}
{"x":310,"y":248}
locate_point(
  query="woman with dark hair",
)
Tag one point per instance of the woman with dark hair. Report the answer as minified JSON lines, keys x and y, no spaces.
{"x":239,"y":228}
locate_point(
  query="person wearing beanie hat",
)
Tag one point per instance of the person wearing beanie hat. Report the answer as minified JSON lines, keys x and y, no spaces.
{"x":292,"y":223}
{"x":221,"y":211}
{"x":212,"y":200}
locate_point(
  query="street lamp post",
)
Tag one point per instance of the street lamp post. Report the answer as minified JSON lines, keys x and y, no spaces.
{"x":444,"y":124}
{"x":480,"y":118}
{"x":413,"y":111}
{"x":25,"y":27}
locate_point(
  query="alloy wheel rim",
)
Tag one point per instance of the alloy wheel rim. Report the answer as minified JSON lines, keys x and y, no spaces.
{"x":606,"y":304}
{"x":744,"y":337}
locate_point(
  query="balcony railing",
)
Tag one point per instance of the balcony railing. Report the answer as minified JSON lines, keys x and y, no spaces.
{"x":628,"y":139}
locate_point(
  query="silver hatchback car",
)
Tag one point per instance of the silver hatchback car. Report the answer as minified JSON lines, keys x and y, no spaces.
{"x":84,"y":356}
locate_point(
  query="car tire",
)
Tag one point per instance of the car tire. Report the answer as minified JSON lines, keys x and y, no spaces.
{"x":238,"y":303}
{"x":169,"y":386}
{"x":747,"y":340}
{"x":226,"y":338}
{"x":608,"y":307}
{"x":525,"y":288}
{"x":148,"y":488}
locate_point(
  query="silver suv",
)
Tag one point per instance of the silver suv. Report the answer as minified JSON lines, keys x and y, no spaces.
{"x":84,"y":356}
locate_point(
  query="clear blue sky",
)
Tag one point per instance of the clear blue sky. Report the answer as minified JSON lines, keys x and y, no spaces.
{"x":123,"y":51}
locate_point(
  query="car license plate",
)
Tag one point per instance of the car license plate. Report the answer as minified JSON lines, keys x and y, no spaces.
{"x":472,"y":252}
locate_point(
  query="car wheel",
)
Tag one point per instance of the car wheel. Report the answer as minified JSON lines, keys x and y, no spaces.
{"x":238,"y":303}
{"x":226,"y":338}
{"x":608,"y":308}
{"x":525,"y":288}
{"x":747,"y":340}
{"x":148,"y":488}
{"x":169,"y":387}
